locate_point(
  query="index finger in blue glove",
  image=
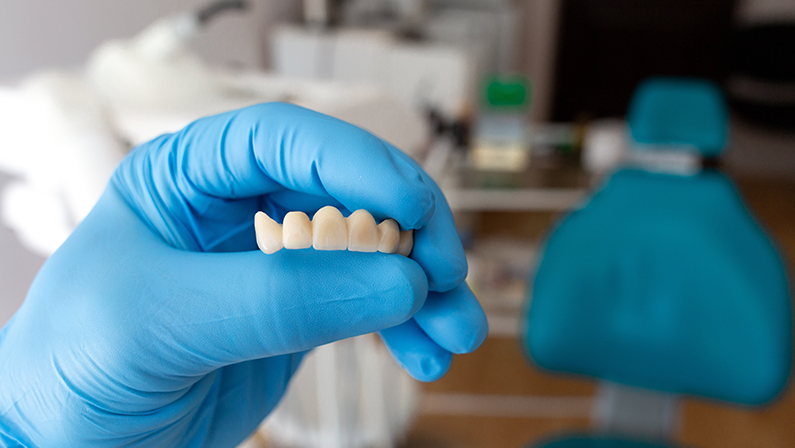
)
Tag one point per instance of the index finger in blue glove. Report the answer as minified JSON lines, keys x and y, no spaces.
{"x":265,"y":149}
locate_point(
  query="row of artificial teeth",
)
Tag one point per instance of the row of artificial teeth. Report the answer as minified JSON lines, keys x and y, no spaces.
{"x":329,"y":230}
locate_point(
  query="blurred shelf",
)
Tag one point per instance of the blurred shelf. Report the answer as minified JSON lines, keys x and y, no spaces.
{"x":522,"y":199}
{"x":538,"y":188}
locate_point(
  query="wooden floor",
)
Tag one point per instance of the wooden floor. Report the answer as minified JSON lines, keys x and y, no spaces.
{"x":499,"y":371}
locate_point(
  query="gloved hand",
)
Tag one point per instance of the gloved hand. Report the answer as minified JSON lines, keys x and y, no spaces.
{"x":158,"y":323}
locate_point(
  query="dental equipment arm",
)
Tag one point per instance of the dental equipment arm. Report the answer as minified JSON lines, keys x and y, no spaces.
{"x":159,"y":323}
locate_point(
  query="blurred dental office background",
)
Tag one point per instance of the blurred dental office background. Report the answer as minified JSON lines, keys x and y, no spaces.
{"x":622,"y":175}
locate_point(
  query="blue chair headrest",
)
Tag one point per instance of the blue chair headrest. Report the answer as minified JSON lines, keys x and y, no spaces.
{"x":690,"y":112}
{"x":668,"y":283}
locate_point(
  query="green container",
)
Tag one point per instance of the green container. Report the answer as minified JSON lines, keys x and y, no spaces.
{"x":512,"y":92}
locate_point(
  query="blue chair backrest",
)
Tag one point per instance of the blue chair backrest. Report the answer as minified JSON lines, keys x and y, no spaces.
{"x":663,"y":281}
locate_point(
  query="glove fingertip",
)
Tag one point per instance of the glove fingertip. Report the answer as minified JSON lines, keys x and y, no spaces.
{"x":411,"y":348}
{"x":428,"y":368}
{"x":457,"y":273}
{"x":472,"y":340}
{"x":418,"y":206}
{"x":412,"y":284}
{"x":454,"y":320}
{"x":442,"y":257}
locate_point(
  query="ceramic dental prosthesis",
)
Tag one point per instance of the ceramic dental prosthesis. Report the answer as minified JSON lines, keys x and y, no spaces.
{"x":329,"y":230}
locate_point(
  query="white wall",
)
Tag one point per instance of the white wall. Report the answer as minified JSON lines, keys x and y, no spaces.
{"x":36,"y":34}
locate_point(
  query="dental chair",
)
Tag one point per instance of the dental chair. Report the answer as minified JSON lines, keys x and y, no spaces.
{"x":662,"y":284}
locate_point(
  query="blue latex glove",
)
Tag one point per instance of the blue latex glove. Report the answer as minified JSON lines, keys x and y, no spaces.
{"x":158,"y":323}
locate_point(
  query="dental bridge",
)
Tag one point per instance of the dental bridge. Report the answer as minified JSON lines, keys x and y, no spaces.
{"x":329,"y":230}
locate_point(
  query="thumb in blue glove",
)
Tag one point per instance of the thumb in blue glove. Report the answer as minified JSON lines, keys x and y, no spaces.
{"x":158,"y":323}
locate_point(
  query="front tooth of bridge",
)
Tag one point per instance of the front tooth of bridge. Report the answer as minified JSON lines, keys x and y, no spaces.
{"x":406,"y":243}
{"x":269,"y":233}
{"x":296,"y":231}
{"x":388,"y":236}
{"x":362,"y":232}
{"x":329,"y":230}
